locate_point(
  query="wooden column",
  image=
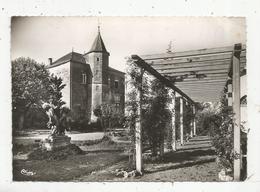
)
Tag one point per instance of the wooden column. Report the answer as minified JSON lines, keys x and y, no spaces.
{"x":191,"y":124}
{"x":229,"y":92}
{"x":162,"y":145}
{"x":173,"y":119}
{"x":236,"y":110}
{"x":194,"y":120}
{"x":181,"y":120}
{"x":138,"y":129}
{"x":191,"y":128}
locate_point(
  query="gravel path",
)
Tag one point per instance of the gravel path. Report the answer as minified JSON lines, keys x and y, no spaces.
{"x":74,"y":137}
{"x":195,"y":161}
{"x":203,"y":172}
{"x":206,"y":172}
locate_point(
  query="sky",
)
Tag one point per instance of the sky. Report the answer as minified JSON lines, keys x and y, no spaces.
{"x":41,"y":38}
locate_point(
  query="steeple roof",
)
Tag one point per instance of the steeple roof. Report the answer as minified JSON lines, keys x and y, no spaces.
{"x":98,"y":45}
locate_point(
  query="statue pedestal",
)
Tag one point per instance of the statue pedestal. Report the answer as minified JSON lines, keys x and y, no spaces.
{"x":56,"y":141}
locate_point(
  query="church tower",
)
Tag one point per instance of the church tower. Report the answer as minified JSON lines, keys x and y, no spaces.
{"x":98,"y":58}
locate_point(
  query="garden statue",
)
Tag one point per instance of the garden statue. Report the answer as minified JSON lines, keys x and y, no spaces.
{"x":59,"y":122}
{"x":58,"y":118}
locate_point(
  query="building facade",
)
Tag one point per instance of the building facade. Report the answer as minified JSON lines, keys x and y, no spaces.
{"x":90,"y":82}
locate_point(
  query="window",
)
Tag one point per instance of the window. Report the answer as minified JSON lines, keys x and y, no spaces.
{"x":117,"y":98}
{"x":84,"y":78}
{"x":117,"y":107}
{"x":116,"y":84}
{"x":108,"y":82}
{"x":97,"y":58}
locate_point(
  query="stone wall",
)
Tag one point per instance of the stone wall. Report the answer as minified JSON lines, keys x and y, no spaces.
{"x":81,"y":91}
{"x":99,"y":67}
{"x":63,"y":71}
{"x":116,"y":95}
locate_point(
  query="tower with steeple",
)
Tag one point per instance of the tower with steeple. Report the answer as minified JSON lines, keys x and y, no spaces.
{"x":98,"y":58}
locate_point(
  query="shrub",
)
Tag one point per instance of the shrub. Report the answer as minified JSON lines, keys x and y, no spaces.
{"x":56,"y":154}
{"x":220,"y":127}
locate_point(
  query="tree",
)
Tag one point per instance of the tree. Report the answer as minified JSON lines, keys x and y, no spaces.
{"x":55,"y":89}
{"x":31,"y":86}
{"x":136,"y":81}
{"x":217,"y":120}
{"x":108,"y":115}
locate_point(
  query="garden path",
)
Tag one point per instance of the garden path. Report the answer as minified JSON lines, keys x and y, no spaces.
{"x":195,"y":161}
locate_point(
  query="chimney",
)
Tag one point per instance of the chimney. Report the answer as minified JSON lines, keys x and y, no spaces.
{"x":50,"y":61}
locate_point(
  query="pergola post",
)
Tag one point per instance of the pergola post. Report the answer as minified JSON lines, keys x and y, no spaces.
{"x":194,"y":120}
{"x":181,"y":120}
{"x":173,"y":120}
{"x":229,"y":92}
{"x":138,"y":128}
{"x":162,"y":145}
{"x":236,"y":110}
{"x":191,"y":128}
{"x":191,"y":125}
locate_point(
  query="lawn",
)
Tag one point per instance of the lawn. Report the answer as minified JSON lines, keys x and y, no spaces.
{"x":179,"y":166}
{"x":65,"y":170}
{"x":204,"y":172}
{"x":95,"y":156}
{"x":100,"y":161}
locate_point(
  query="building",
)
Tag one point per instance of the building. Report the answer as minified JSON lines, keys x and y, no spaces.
{"x":90,"y":82}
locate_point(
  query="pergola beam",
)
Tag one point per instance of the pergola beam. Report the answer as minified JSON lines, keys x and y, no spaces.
{"x":201,"y":81}
{"x":193,"y":65}
{"x":195,"y":80}
{"x":208,"y":94}
{"x":168,"y":63}
{"x":202,"y":91}
{"x":196,"y":83}
{"x":201,"y":87}
{"x":190,"y":64}
{"x":200,"y":98}
{"x":217,"y":71}
{"x":205,"y":85}
{"x":206,"y":98}
{"x":209,"y":73}
{"x":186,"y":60}
{"x":213,"y":76}
{"x":141,"y":63}
{"x":200,"y":52}
{"x":194,"y":70}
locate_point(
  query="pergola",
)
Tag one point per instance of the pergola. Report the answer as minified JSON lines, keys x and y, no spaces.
{"x":196,"y":76}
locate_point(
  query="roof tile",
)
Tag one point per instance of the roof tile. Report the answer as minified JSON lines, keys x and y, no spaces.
{"x":98,"y":45}
{"x":72,"y":56}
